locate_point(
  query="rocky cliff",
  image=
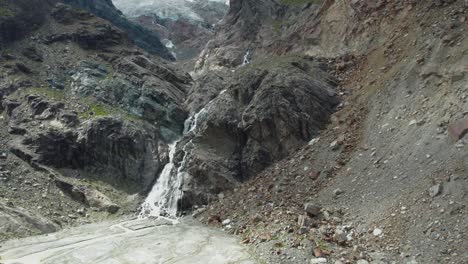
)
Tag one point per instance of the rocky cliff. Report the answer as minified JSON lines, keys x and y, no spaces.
{"x":185,"y":26}
{"x":142,"y":37}
{"x":85,"y":117}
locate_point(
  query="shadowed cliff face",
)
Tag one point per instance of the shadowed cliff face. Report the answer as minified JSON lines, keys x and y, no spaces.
{"x":142,"y":37}
{"x":247,"y":119}
{"x":184,"y":26}
{"x":19,"y":17}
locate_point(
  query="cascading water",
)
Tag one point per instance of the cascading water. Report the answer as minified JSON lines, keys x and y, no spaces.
{"x":163,"y":199}
{"x":246,"y":58}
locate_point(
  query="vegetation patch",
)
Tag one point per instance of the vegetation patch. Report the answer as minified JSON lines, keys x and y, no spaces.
{"x":87,"y":107}
{"x":5,"y":9}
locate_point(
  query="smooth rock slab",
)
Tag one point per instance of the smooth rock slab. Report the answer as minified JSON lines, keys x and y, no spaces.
{"x":134,"y":241}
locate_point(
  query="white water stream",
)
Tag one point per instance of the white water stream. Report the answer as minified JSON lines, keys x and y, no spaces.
{"x":246,"y":58}
{"x":163,"y":199}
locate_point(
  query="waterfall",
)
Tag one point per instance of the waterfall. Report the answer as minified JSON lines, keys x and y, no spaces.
{"x":163,"y":199}
{"x":246,"y":58}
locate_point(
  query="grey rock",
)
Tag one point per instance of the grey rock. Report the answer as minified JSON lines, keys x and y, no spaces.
{"x":33,"y":54}
{"x":122,"y":153}
{"x":340,"y":236}
{"x":312,"y":209}
{"x":318,"y":260}
{"x":435,"y":190}
{"x":142,"y":37}
{"x":337,"y":192}
{"x":148,"y":89}
{"x":303,"y":221}
{"x":334,"y":145}
{"x":99,"y":200}
{"x":87,"y":196}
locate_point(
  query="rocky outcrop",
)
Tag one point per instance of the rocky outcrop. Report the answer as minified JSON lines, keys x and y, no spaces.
{"x":142,"y":37}
{"x":151,"y":91}
{"x":19,"y":17}
{"x":268,"y":110}
{"x":87,"y":196}
{"x":184,"y":26}
{"x":123,"y":153}
{"x":241,"y":30}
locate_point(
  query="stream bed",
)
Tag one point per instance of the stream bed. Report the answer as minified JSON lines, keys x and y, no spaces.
{"x":133,"y":241}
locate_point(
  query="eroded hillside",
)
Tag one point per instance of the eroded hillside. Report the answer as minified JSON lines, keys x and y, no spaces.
{"x":319,"y":131}
{"x":386,"y":182}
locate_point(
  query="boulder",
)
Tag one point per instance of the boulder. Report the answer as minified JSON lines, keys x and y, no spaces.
{"x":458,"y":129}
{"x":98,"y":200}
{"x":312,"y":209}
{"x":87,"y":196}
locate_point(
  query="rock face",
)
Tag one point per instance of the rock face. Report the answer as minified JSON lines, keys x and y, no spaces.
{"x":17,"y":18}
{"x":185,"y":26}
{"x":89,"y":115}
{"x":122,"y":152}
{"x":239,"y":32}
{"x":267,"y":110}
{"x":142,"y":87}
{"x":142,"y":37}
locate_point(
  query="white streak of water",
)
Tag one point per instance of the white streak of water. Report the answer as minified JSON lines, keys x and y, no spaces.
{"x":163,"y":199}
{"x":246,"y":58}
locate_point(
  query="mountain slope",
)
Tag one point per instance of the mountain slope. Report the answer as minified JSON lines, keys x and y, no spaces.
{"x":85,"y":118}
{"x":185,"y":26}
{"x":385,"y":182}
{"x":142,"y":37}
